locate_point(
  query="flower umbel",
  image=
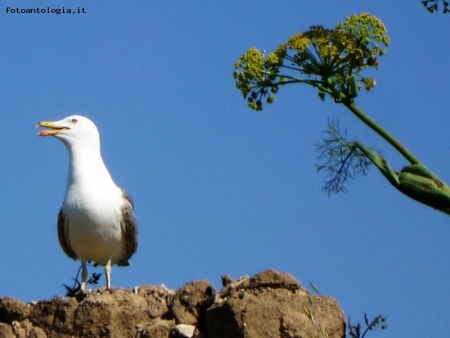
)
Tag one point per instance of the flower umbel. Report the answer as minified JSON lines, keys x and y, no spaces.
{"x":331,"y":60}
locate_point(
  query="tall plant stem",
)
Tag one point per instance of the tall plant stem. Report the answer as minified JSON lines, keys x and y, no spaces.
{"x":383,"y":133}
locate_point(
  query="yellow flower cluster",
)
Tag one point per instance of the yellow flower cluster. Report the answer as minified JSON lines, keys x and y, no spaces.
{"x":330,"y":60}
{"x":299,"y":43}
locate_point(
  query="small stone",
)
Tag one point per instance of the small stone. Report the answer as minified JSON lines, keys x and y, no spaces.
{"x":182,"y":331}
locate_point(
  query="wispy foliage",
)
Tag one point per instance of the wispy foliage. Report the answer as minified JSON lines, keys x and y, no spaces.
{"x":357,"y":331}
{"x":342,"y":159}
{"x":433,"y":6}
{"x":72,"y":291}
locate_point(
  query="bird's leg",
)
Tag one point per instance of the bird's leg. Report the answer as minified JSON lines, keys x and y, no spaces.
{"x":83,"y":275}
{"x":108,"y":274}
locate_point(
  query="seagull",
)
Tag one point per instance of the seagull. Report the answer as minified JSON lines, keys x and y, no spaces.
{"x":96,"y":221}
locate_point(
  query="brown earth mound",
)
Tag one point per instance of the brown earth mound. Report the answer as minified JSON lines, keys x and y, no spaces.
{"x":269,"y":304}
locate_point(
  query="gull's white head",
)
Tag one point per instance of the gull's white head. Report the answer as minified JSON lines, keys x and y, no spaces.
{"x":73,"y":130}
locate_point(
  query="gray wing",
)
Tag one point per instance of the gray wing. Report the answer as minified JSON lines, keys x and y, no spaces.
{"x":63,"y":235}
{"x":129,"y":227}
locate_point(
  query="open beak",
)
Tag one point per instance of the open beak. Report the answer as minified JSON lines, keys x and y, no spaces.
{"x":54,"y":128}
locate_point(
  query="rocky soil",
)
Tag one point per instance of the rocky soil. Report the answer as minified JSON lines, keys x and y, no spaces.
{"x":269,"y":304}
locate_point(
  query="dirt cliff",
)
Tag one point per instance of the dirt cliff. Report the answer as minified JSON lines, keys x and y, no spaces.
{"x":269,"y":304}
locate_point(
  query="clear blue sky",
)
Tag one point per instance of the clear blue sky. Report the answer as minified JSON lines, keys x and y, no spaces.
{"x":218,"y":188}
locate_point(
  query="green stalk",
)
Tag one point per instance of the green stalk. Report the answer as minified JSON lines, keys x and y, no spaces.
{"x":383,"y":133}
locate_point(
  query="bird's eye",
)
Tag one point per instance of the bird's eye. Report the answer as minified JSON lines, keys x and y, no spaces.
{"x":73,"y":121}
